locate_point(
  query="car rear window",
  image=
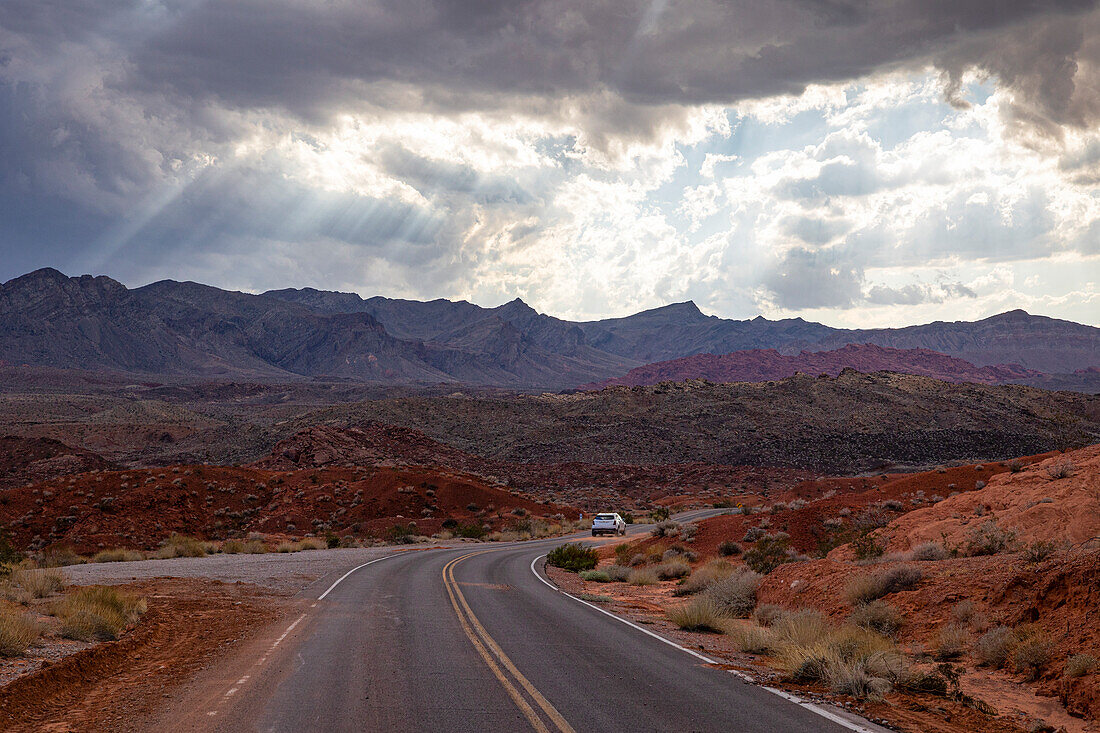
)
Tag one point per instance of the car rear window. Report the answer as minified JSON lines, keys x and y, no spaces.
{"x":605,"y":516}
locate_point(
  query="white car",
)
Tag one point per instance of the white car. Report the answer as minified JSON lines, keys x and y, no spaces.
{"x":608,"y":524}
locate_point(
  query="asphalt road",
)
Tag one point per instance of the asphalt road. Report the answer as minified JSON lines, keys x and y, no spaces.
{"x":473,"y":639}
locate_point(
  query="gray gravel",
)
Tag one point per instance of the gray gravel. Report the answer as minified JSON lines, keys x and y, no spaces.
{"x":286,"y":573}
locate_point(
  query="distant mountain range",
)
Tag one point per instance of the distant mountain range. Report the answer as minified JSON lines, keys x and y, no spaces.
{"x":186,"y":330}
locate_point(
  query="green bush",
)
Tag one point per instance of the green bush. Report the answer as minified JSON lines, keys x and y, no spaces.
{"x":573,"y":557}
{"x":769,"y":552}
{"x":473,"y":531}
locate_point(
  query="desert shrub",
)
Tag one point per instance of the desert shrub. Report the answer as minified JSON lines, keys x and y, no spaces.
{"x":698,"y":614}
{"x":769,"y":552}
{"x":877,"y":616}
{"x":642,"y":576}
{"x":617,"y":573}
{"x":688,"y":532}
{"x":287,"y":547}
{"x":178,"y":545}
{"x":929,"y":552}
{"x":767,"y":614}
{"x":573,"y":557}
{"x":18,"y":631}
{"x":995,"y":647}
{"x":866,"y":588}
{"x":735,"y":595}
{"x":311,"y":543}
{"x":989,"y":539}
{"x":703,"y":577}
{"x":963,"y":611}
{"x":97,"y":613}
{"x":637,"y":559}
{"x":752,"y":639}
{"x":1040,"y":550}
{"x":1080,"y":665}
{"x":951,"y":642}
{"x":118,"y":554}
{"x":673,"y":570}
{"x":332,"y":540}
{"x":1031,"y":655}
{"x":867,"y":546}
{"x":729,"y":548}
{"x":597,"y":576}
{"x":678,"y":552}
{"x":666,"y":528}
{"x":752,"y":534}
{"x":57,"y":557}
{"x":1063,"y":469}
{"x":471,"y":531}
{"x":39,"y":583}
{"x":623,"y":552}
{"x":660,"y":514}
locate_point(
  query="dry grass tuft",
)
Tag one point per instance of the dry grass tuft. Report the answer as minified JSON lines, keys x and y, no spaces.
{"x":951,"y":642}
{"x":995,"y":647}
{"x":642,"y":576}
{"x":39,"y":583}
{"x":698,"y":614}
{"x":18,"y":631}
{"x":118,"y":554}
{"x":1080,"y":665}
{"x":866,"y":588}
{"x":877,"y":616}
{"x":243,"y":547}
{"x":178,"y":545}
{"x":97,"y":613}
{"x":735,"y":595}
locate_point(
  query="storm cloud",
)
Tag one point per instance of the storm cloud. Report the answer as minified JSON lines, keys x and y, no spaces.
{"x":473,"y":149}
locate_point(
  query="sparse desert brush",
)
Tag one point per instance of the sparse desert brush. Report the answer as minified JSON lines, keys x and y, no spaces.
{"x":18,"y":630}
{"x":963,"y":611}
{"x":39,"y":583}
{"x":667,"y":528}
{"x":178,"y":545}
{"x":311,"y":543}
{"x":673,"y":570}
{"x":1040,"y":550}
{"x":118,"y":554}
{"x":573,"y":557}
{"x":617,"y":573}
{"x":1063,"y":469}
{"x":735,"y":595}
{"x":951,"y":641}
{"x":1080,"y":665}
{"x":769,"y":552}
{"x":287,"y":547}
{"x":698,"y":614}
{"x":930,"y":552}
{"x":995,"y":646}
{"x":642,"y":576}
{"x":989,"y":539}
{"x":97,"y":613}
{"x":596,"y":576}
{"x":766,"y":614}
{"x":877,"y":616}
{"x":1032,"y":655}
{"x":802,"y":627}
{"x":866,"y":588}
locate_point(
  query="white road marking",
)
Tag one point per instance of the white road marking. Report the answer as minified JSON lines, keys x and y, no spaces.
{"x":790,"y":697}
{"x":345,"y":575}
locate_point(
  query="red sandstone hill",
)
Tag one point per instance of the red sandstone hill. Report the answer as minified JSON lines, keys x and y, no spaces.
{"x":761,"y":365}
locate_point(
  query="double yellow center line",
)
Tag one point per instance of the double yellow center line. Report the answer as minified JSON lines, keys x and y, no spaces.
{"x":498,"y":662}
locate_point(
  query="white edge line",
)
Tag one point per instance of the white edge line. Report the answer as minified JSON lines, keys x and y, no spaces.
{"x":343,"y":577}
{"x":812,"y":707}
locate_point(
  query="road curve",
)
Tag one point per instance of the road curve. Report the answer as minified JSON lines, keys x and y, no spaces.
{"x":472,"y":639}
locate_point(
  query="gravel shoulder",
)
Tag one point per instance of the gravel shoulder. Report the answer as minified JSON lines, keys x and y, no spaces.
{"x":281,"y":573}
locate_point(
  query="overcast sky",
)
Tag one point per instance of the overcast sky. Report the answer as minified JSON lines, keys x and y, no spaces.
{"x":856,"y":162}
